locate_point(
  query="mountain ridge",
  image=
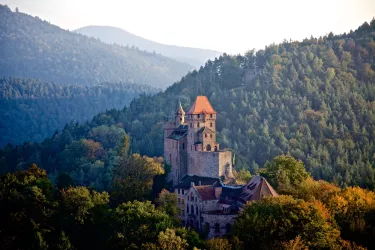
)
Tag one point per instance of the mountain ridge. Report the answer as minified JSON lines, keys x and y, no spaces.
{"x":111,"y":35}
{"x":37,"y":49}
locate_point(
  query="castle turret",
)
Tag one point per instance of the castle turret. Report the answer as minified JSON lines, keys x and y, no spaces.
{"x":180,"y":115}
{"x":201,"y":119}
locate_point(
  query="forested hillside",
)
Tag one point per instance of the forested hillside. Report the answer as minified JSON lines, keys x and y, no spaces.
{"x":113,"y":35}
{"x":34,"y":48}
{"x":31,"y":110}
{"x":312,"y":99}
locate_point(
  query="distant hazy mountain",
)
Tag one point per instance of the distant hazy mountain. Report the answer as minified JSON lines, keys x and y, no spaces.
{"x":31,"y":47}
{"x":111,"y":35}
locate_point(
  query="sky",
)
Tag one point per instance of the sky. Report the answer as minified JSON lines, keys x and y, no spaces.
{"x":231,"y":26}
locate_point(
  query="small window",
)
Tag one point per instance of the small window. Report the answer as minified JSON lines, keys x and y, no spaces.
{"x":228,"y":228}
{"x":183,"y":146}
{"x":179,"y":201}
{"x":217,"y":228}
{"x":188,"y":197}
{"x":211,"y":136}
{"x":182,"y":200}
{"x":211,"y":124}
{"x":187,"y":209}
{"x":198,"y":116}
{"x":205,"y":135}
{"x":180,"y":119}
{"x":198,"y":125}
{"x":178,"y":190}
{"x":211,"y":116}
{"x":192,"y":209}
{"x":191,"y":125}
{"x":196,"y":210}
{"x":183,"y":191}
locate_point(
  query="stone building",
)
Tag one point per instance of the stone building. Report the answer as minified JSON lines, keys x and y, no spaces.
{"x":209,"y":205}
{"x":190,"y":145}
{"x":200,"y":169}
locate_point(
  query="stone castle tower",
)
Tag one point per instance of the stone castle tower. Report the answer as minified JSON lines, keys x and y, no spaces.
{"x":190,"y":145}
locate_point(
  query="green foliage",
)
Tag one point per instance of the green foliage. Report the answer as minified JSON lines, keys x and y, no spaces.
{"x":167,"y":202}
{"x":218,"y":244}
{"x":133,"y":178}
{"x":271,"y":220}
{"x":285,"y":172}
{"x":242,"y":176}
{"x":137,"y":223}
{"x":168,"y":240}
{"x":25,"y":210}
{"x":38,"y":49}
{"x":265,"y":109}
{"x":354,"y":210}
{"x":31,"y":109}
{"x":78,"y":202}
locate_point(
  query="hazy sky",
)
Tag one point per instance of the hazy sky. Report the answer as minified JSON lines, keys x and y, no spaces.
{"x":231,"y":26}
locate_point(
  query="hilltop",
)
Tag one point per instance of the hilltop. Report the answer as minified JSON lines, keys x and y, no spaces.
{"x":112,"y":35}
{"x":312,"y":99}
{"x":35,"y":48}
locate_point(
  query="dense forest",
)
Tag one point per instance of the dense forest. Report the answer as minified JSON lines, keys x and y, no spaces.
{"x":312,"y":99}
{"x":39,"y":214}
{"x":31,"y":110}
{"x":113,"y":35}
{"x":34,"y":48}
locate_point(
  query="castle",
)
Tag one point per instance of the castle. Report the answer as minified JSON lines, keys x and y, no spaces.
{"x":199,"y":170}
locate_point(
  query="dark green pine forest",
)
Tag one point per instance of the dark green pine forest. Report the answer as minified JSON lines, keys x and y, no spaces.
{"x":32,"y":110}
{"x":312,"y":99}
{"x":299,"y":113}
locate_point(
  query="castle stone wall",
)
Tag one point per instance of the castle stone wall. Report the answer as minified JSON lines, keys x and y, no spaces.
{"x":210,"y":164}
{"x":222,"y":219}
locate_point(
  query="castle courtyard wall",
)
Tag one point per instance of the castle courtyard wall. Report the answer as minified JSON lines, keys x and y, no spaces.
{"x":212,"y":219}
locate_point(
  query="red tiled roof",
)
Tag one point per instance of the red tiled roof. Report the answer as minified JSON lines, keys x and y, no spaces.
{"x":201,"y":105}
{"x":257,"y":188}
{"x":206,"y":192}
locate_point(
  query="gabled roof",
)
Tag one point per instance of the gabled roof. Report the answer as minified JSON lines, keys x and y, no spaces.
{"x":205,"y":130}
{"x":179,"y":132}
{"x":186,"y":181}
{"x":201,"y":106}
{"x":256,"y":189}
{"x":207,"y":193}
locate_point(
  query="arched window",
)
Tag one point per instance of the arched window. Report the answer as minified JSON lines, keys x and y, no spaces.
{"x":205,"y":135}
{"x":211,"y":135}
{"x":215,"y":148}
{"x":211,"y":124}
{"x":208,"y":147}
{"x":192,"y":209}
